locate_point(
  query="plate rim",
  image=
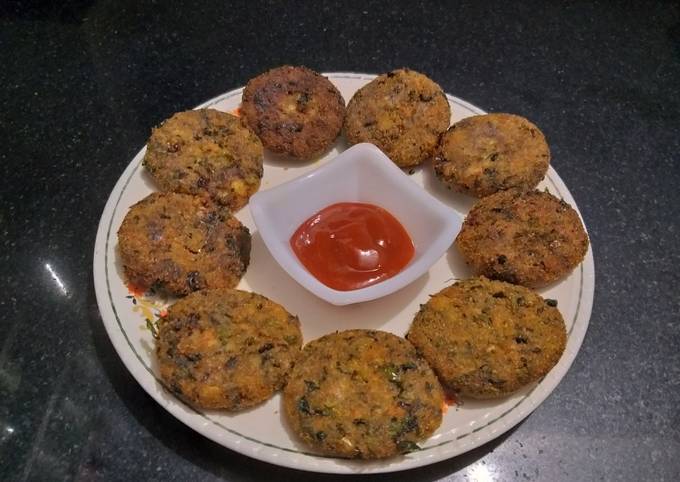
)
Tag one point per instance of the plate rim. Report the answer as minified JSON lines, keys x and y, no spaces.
{"x":475,"y":438}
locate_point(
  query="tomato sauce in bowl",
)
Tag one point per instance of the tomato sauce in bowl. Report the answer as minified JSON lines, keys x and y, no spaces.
{"x":349,"y":245}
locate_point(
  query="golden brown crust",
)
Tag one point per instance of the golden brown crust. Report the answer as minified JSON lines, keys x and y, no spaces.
{"x":227,"y":348}
{"x":362,"y":394}
{"x":294,"y":111}
{"x":402,"y":112}
{"x":529,"y":238}
{"x":206,"y":151}
{"x":484,"y":154}
{"x":182,"y":243}
{"x":486,"y":339}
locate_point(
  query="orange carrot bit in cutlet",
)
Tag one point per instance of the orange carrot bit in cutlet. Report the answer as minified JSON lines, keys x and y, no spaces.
{"x":136,"y":291}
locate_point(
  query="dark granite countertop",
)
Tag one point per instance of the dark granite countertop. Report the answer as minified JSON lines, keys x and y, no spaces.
{"x":83,"y":81}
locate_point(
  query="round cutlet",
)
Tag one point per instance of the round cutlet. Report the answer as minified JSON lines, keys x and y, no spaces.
{"x":362,"y":394}
{"x":486,"y":339}
{"x":226,"y":348}
{"x":528,"y":238}
{"x":484,"y":154}
{"x":209,"y":152}
{"x":402,"y":112}
{"x":294,"y":111}
{"x":182,"y":243}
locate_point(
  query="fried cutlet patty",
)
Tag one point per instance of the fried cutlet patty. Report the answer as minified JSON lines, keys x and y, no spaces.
{"x":486,"y":339}
{"x":182,"y":243}
{"x":294,"y":111}
{"x":226,"y":348}
{"x":484,"y":154}
{"x":402,"y":112}
{"x":206,"y":151}
{"x":362,"y":394}
{"x":528,"y":238}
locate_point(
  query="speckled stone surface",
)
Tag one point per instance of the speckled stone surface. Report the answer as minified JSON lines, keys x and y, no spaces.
{"x":83,"y":82}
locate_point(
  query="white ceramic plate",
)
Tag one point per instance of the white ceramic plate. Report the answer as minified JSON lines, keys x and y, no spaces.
{"x":261,"y":432}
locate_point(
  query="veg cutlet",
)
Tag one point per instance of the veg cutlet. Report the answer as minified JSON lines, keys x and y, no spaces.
{"x":226,"y":348}
{"x":206,"y":151}
{"x":294,"y":110}
{"x":486,"y":339}
{"x":182,"y":243}
{"x":484,"y":154}
{"x":362,"y":394}
{"x":529,"y":238}
{"x":402,"y":112}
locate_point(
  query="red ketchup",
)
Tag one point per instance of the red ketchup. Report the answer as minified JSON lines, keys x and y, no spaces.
{"x":348,"y":246}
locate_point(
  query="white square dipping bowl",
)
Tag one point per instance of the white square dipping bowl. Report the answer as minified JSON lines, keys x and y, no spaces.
{"x":362,"y":173}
